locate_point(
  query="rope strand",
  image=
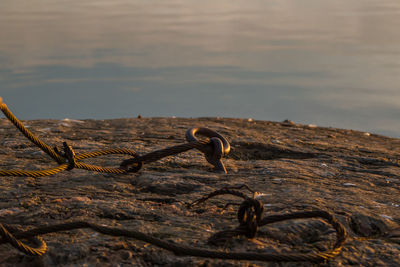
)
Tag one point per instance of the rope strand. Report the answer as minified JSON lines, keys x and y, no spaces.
{"x":72,"y":161}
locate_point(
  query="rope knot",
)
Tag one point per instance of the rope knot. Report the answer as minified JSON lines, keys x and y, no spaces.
{"x":69,"y":155}
{"x":136,"y":162}
{"x":214,"y":153}
{"x":249,"y":216}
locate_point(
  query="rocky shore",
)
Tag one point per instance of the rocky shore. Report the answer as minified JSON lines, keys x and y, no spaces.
{"x":354,"y":175}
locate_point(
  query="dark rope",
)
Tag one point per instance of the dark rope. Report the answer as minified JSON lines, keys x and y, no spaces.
{"x":250,"y":219}
{"x":13,"y":239}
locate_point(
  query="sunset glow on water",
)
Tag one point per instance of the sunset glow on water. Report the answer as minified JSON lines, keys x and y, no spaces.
{"x":329,"y":63}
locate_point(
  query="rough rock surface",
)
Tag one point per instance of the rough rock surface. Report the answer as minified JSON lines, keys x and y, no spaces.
{"x":353,"y":174}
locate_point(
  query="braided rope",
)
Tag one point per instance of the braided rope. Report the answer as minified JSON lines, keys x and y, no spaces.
{"x":7,"y":236}
{"x":28,"y":134}
{"x":68,"y":163}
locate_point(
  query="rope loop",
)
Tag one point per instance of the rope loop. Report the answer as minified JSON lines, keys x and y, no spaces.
{"x":6,"y":232}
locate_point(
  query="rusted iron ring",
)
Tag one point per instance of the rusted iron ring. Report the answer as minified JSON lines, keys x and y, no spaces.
{"x":191,"y":137}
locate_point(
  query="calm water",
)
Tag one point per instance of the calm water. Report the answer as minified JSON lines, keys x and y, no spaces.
{"x":330,"y":63}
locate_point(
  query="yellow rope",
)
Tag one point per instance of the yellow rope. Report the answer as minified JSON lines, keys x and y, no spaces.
{"x":57,"y":157}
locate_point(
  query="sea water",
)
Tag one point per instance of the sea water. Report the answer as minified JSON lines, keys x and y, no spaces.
{"x":329,"y":63}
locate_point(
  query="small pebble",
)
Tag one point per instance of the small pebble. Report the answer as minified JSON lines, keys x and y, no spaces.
{"x":386,"y":217}
{"x":11,"y":211}
{"x":260,"y":195}
{"x":349,"y":184}
{"x":71,"y":120}
{"x":80,"y":199}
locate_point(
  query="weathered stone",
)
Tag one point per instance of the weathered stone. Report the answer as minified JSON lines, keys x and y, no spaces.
{"x":367,"y":226}
{"x":297,"y":167}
